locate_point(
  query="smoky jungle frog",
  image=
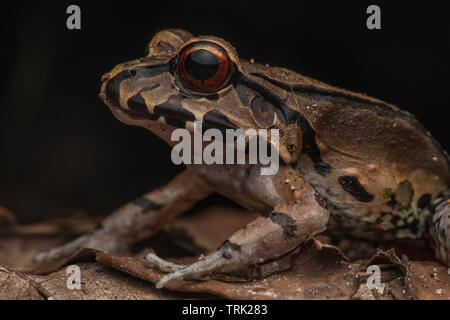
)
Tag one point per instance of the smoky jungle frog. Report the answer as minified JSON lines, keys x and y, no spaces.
{"x":350,"y":164}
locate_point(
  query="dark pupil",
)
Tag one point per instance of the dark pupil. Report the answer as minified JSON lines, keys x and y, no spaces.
{"x":201,"y":64}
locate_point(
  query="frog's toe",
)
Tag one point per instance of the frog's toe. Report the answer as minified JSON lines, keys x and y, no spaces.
{"x":101,"y":241}
{"x":61,"y":251}
{"x":195,"y":271}
{"x":153,"y":261}
{"x":180,"y":275}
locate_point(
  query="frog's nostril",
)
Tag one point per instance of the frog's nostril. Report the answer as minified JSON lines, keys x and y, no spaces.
{"x":133,"y":73}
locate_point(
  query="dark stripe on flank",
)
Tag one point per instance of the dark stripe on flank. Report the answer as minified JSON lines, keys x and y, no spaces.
{"x":354,"y":187}
{"x":284,"y":221}
{"x":310,"y":147}
{"x":379,"y":107}
{"x":289,"y":116}
{"x":146,"y":204}
{"x":357,"y":102}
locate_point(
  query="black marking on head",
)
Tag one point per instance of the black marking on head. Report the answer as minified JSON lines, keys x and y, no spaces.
{"x":227,"y":244}
{"x":216,"y":119}
{"x":284,"y":221}
{"x":146,"y":204}
{"x":289,"y":116}
{"x":351,"y":185}
{"x":175,"y":122}
{"x":211,"y":97}
{"x":263,"y":111}
{"x":424,"y":201}
{"x":321,"y":200}
{"x":245,"y":94}
{"x":112,"y":88}
{"x":174,"y":113}
{"x":137,"y":102}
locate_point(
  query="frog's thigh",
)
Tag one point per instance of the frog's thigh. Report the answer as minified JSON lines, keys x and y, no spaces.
{"x":439,"y":228}
{"x":270,"y":236}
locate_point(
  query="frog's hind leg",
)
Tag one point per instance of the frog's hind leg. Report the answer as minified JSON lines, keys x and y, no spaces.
{"x":267,"y":238}
{"x":439,"y":227}
{"x":138,"y":219}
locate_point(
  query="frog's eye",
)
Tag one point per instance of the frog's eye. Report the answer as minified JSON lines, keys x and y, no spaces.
{"x":204,"y":67}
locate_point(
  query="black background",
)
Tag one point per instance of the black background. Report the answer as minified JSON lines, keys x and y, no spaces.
{"x":63,"y":153}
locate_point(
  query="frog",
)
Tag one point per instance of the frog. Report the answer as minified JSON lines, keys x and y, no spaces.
{"x":350,"y":165}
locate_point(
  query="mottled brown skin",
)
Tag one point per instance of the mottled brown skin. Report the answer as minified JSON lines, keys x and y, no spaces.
{"x":351,"y":164}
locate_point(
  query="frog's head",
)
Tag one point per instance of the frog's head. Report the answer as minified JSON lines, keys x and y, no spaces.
{"x":183,"y":79}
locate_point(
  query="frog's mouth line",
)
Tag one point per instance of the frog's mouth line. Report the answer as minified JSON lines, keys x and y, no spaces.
{"x":214,"y":119}
{"x":173,"y":114}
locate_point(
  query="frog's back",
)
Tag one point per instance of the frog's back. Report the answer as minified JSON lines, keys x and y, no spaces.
{"x":376,"y":165}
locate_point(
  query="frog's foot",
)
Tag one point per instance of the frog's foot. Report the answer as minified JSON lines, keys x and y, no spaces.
{"x":439,"y":228}
{"x":138,"y":219}
{"x":153,"y":261}
{"x":192,"y":271}
{"x":267,"y":238}
{"x":206,"y":267}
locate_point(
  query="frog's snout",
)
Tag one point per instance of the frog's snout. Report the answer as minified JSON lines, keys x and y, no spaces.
{"x":110,"y":90}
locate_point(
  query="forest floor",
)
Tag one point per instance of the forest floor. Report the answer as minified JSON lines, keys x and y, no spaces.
{"x":319,"y":269}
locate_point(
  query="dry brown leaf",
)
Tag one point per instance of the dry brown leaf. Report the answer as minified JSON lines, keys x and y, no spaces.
{"x":425,"y":281}
{"x":319,"y":270}
{"x":316,"y":273}
{"x":14,"y":286}
{"x":98,"y":283}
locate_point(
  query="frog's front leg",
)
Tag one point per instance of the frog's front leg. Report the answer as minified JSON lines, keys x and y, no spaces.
{"x":268,"y":237}
{"x":138,"y":219}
